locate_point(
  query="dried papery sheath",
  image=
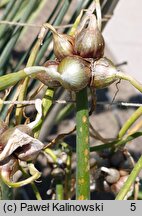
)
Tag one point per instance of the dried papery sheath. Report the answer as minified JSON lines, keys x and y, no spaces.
{"x":45,"y":78}
{"x":63,"y":45}
{"x":30,"y":151}
{"x":89,"y":42}
{"x":104,"y":73}
{"x":7,"y":134}
{"x":75,"y":73}
{"x":24,"y":146}
{"x":9,"y":167}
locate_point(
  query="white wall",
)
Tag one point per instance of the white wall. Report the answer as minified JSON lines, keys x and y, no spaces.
{"x":123,"y":36}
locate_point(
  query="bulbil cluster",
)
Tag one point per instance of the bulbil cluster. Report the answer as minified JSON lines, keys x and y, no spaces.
{"x":79,"y":59}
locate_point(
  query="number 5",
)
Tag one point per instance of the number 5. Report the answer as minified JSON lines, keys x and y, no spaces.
{"x":133,"y":207}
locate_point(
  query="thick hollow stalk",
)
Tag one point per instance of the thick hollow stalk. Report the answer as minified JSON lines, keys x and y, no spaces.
{"x":11,"y":79}
{"x":125,"y":189}
{"x":82,"y":127}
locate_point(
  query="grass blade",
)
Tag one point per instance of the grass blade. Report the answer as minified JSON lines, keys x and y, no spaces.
{"x":7,"y":51}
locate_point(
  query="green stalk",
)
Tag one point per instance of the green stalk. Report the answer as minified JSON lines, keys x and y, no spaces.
{"x":67,"y":188}
{"x":134,"y":82}
{"x":129,"y":122}
{"x":59,"y":191}
{"x":125,"y":189}
{"x":82,"y":127}
{"x":67,"y":185}
{"x":50,"y":152}
{"x":116,"y":143}
{"x":11,"y":79}
{"x":23,"y":182}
